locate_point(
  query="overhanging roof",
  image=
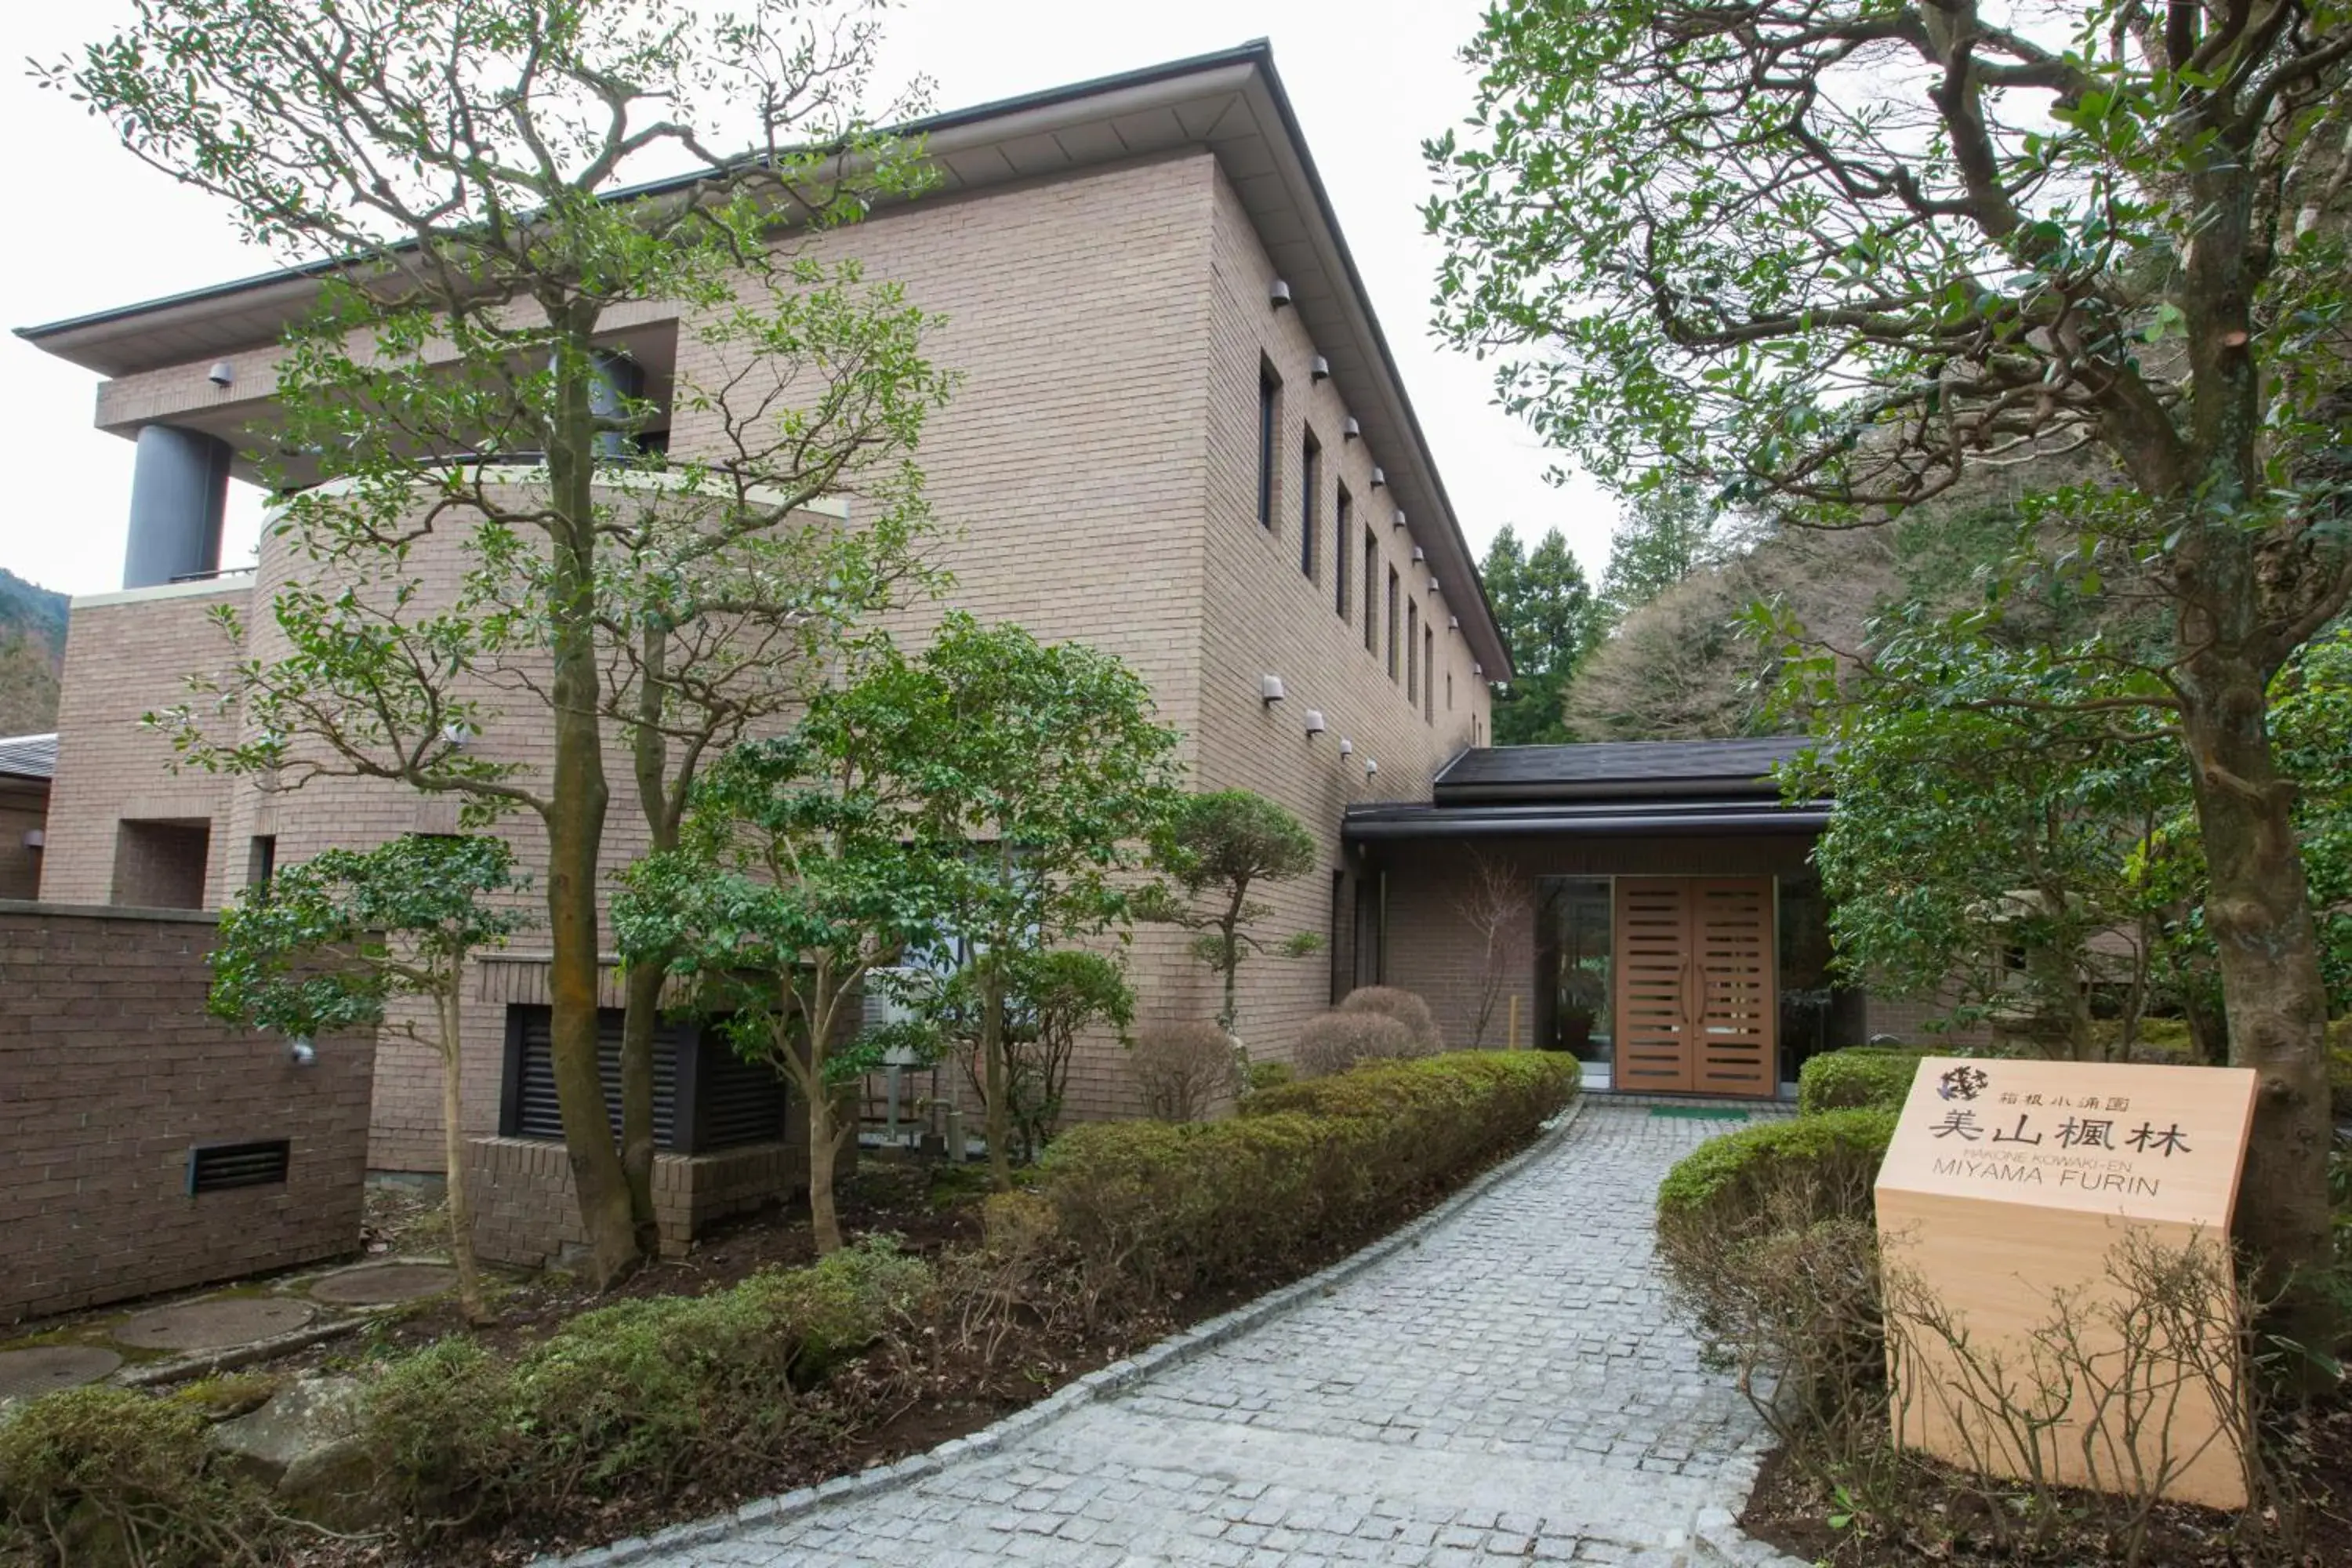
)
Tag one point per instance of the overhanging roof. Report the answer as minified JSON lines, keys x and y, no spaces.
{"x":1231,"y":103}
{"x":1661,"y":818}
{"x":1619,"y":769}
{"x":28,"y":756}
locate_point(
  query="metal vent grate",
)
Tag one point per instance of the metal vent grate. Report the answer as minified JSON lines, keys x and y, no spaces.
{"x":217,"y":1167}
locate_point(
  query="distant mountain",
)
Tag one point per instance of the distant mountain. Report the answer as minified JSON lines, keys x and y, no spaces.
{"x":32,"y":653}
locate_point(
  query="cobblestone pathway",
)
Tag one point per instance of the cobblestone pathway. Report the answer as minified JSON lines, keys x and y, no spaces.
{"x":1512,"y":1387}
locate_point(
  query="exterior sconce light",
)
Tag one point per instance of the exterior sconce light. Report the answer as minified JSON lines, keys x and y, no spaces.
{"x":1314,"y":720}
{"x":1477,"y":668}
{"x":301,"y":1052}
{"x":1349,"y":430}
{"x":35,"y":838}
{"x":457,"y":734}
{"x":1370,"y":767}
{"x":221,"y":372}
{"x":1398,"y":521}
{"x":1418,"y":554}
{"x":1346,"y":748}
{"x":1318,"y":369}
{"x":1453,"y":623}
{"x":1278,"y":293}
{"x":1269,"y":689}
{"x":1433,"y":587}
{"x":1379,"y":478}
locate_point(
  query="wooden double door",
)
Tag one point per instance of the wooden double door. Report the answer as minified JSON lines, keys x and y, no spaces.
{"x":1697,"y":1006}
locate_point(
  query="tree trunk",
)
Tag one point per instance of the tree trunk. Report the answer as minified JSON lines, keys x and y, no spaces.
{"x":470,"y":1299}
{"x":825,"y":1150}
{"x":991,"y":1069}
{"x":2259,"y":914}
{"x":644,"y":1010}
{"x":577,"y":798}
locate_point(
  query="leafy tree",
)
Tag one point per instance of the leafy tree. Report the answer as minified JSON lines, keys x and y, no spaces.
{"x":798,"y":874}
{"x":1220,"y":845}
{"x":1050,"y":1000}
{"x":1550,"y":620}
{"x":1666,"y":533}
{"x":457,"y":411}
{"x":336,"y":941}
{"x":1829,"y":256}
{"x":1977,"y":852}
{"x":1041,"y":764}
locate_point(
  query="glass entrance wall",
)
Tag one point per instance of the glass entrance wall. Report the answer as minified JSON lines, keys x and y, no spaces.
{"x":1817,"y":1012}
{"x":1574,"y":993}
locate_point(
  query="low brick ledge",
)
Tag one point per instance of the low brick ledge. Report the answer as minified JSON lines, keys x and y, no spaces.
{"x":1101,"y":1384}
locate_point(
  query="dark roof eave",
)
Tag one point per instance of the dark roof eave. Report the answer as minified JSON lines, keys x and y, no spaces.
{"x":1440,"y":823}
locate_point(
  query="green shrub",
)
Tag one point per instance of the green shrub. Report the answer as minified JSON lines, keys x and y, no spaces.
{"x":2339,"y":1069}
{"x":100,"y":1476}
{"x":1406,"y":1008}
{"x":654,"y":1391}
{"x":1154,"y":1211}
{"x":1263,"y":1076}
{"x":1334,"y":1042}
{"x":1877,"y":1076}
{"x":1787,"y":1171}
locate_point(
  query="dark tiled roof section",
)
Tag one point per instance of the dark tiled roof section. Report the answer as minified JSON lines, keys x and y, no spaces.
{"x":1617,"y":767}
{"x":28,"y":756}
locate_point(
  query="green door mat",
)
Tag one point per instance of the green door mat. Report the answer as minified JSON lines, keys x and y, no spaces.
{"x":1699,"y":1112}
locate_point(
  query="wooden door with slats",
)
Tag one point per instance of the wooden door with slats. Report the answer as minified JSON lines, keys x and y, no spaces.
{"x":1696,"y":1009}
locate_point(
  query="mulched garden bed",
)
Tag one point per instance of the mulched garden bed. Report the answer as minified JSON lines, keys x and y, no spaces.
{"x":900,"y":1401}
{"x":1790,"y":1511}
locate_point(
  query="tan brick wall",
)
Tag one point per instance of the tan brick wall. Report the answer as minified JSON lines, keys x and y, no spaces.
{"x":525,"y":1212}
{"x":109,"y":1070}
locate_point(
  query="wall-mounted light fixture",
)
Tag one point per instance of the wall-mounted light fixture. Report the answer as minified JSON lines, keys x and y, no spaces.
{"x":1419,"y":554}
{"x":221,"y":372}
{"x":1318,"y":369}
{"x":1379,"y":478}
{"x":457,"y":734}
{"x":1398,"y":521}
{"x":1349,"y":430}
{"x":1278,"y":292}
{"x":34,"y":838}
{"x":1433,"y":586}
{"x":1453,"y":623}
{"x":301,"y":1052}
{"x":1477,"y":668}
{"x":1314,"y":720}
{"x":1370,"y":767}
{"x":1346,"y":748}
{"x":1269,"y":689}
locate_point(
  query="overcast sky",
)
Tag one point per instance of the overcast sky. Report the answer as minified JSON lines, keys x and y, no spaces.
{"x":1368,"y":79}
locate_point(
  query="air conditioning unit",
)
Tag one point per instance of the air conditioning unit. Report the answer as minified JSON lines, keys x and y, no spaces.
{"x":883,"y":1004}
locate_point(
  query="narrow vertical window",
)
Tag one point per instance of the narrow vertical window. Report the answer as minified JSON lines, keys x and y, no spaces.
{"x":1412,"y":653}
{"x":1341,"y":531}
{"x":1310,"y":484}
{"x":1269,"y":424}
{"x":1429,"y":676}
{"x":1393,"y":624}
{"x":1449,"y":691}
{"x":1371,"y":590}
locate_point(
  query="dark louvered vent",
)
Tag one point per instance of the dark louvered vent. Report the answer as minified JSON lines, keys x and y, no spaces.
{"x":705,"y":1098}
{"x":217,"y":1167}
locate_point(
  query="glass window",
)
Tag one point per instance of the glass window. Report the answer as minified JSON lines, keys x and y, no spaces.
{"x":1342,"y":531}
{"x":1310,"y":482}
{"x":1574,"y":995}
{"x":1270,"y":423}
{"x":1393,"y":595}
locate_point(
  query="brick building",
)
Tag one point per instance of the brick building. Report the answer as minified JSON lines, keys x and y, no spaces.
{"x":1179,"y":438}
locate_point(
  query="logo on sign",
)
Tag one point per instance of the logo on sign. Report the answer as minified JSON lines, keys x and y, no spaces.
{"x":1962,"y":1083}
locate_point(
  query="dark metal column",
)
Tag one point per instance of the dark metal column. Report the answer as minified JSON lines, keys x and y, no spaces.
{"x":179,"y":494}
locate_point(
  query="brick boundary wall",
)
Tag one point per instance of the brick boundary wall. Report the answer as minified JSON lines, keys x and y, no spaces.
{"x":111,"y":1070}
{"x":525,"y":1214}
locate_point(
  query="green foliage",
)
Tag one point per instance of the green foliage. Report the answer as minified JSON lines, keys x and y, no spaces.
{"x":672,"y":1389}
{"x":1051,"y":999}
{"x":1220,"y":845}
{"x":1727,"y":1185}
{"x":1260,"y":1076}
{"x":326,"y":941}
{"x":1664,"y":535}
{"x":1550,"y":620}
{"x":1877,"y":1076}
{"x":114,"y":1479}
{"x":1156,"y":1210}
{"x":1404,"y":1007}
{"x":2311,"y":721}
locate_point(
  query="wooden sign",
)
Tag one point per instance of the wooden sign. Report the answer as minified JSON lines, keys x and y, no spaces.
{"x":2013,"y":1195}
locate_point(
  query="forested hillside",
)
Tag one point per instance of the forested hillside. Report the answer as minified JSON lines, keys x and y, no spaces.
{"x":32,"y":651}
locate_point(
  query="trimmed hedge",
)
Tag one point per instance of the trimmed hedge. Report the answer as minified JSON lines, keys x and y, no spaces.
{"x":1405,"y":1007}
{"x":1877,"y":1076}
{"x":1156,"y":1211}
{"x":673,"y":1388}
{"x":1776,"y":1172}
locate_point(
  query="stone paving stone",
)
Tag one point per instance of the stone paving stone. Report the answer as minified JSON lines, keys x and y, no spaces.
{"x":1513,"y":1387}
{"x":44,"y":1369}
{"x":212,"y":1322}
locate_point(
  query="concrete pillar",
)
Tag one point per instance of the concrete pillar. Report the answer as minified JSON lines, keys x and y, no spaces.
{"x":179,"y":494}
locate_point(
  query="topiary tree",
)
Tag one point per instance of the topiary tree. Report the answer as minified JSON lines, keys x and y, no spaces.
{"x":1406,"y":1007}
{"x":330,"y":942}
{"x":1217,"y":846}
